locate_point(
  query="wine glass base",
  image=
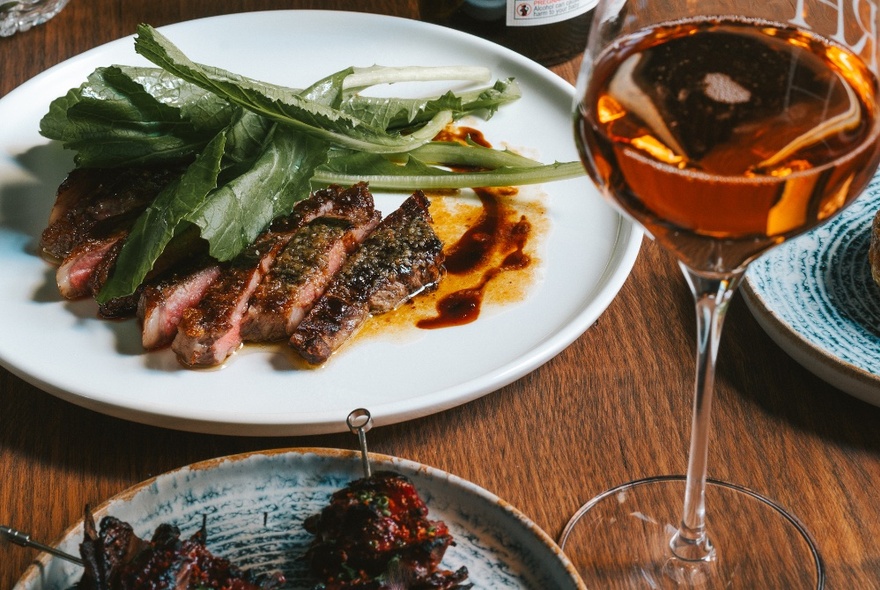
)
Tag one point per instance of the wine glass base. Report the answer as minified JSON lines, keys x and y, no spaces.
{"x":620,"y":539}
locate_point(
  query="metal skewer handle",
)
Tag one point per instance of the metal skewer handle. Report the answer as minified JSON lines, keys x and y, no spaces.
{"x":359,"y":422}
{"x":24,"y":540}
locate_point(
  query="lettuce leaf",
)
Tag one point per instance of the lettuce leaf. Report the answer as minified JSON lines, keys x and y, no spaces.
{"x":280,"y":175}
{"x":123,"y":116}
{"x":251,"y":172}
{"x":280,"y":104}
{"x":403,"y":113}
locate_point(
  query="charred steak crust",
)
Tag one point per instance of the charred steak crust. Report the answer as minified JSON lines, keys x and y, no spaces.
{"x":91,"y":200}
{"x":402,"y":257}
{"x":117,"y":559}
{"x":210,"y":331}
{"x":300,"y":275}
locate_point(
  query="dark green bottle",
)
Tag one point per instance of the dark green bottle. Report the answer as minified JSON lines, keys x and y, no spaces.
{"x":548,"y":31}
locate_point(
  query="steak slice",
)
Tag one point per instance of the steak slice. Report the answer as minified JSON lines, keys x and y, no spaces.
{"x":93,"y":214}
{"x":74,"y":276}
{"x":162,"y":302}
{"x":402,"y":257}
{"x":91,"y":197}
{"x":301,"y":274}
{"x":210,"y":331}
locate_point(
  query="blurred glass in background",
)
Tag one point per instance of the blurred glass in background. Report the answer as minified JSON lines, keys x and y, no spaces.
{"x":21,"y":15}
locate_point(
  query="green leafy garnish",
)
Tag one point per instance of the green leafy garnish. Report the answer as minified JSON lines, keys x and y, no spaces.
{"x":125,"y":116}
{"x":279,"y":104}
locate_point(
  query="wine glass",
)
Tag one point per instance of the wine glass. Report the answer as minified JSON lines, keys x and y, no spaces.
{"x":723,"y":127}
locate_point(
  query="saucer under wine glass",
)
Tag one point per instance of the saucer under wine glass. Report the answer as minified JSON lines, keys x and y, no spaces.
{"x":723,"y":127}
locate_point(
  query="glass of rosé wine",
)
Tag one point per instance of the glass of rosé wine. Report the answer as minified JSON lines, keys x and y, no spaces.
{"x":724,"y":128}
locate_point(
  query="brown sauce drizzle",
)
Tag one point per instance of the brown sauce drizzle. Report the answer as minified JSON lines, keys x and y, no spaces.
{"x":462,"y":134}
{"x":477,"y":247}
{"x":473,"y":251}
{"x":485,"y":237}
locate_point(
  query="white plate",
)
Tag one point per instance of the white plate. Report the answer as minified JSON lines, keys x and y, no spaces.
{"x":63,"y":349}
{"x":254,"y":506}
{"x":815,"y":297}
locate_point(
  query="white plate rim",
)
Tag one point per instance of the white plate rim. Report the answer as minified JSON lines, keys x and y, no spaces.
{"x":211,"y":420}
{"x":340,"y":459}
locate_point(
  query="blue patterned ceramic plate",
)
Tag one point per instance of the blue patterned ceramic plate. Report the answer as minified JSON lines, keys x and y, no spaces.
{"x":254,"y":506}
{"x":815,"y":297}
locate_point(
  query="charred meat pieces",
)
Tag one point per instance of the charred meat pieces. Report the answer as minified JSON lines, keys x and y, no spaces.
{"x":93,"y":214}
{"x":90,"y":199}
{"x":402,"y":257}
{"x":211,"y":331}
{"x":300,"y":275}
{"x":162,"y":302}
{"x":377,"y":530}
{"x":116,"y":559}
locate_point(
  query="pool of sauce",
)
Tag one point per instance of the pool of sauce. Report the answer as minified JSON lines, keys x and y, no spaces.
{"x":491,"y":237}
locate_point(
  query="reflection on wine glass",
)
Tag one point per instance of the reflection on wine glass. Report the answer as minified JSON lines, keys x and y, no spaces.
{"x":723,"y":136}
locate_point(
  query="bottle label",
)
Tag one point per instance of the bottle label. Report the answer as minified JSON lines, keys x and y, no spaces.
{"x":528,"y":13}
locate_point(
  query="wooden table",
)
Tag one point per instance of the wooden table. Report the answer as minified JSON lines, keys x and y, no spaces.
{"x":612,"y":407}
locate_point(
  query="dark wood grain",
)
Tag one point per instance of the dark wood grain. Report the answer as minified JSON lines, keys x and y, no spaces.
{"x":612,"y":407}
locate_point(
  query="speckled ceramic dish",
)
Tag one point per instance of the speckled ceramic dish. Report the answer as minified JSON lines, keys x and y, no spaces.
{"x":815,"y":297}
{"x":254,"y":506}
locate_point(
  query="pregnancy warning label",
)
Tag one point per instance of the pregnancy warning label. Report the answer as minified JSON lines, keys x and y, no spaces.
{"x":524,"y":13}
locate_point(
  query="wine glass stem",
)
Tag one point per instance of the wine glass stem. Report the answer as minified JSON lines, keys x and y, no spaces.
{"x":712,"y":294}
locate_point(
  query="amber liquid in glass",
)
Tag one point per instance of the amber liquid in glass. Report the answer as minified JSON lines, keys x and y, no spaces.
{"x":724,"y":138}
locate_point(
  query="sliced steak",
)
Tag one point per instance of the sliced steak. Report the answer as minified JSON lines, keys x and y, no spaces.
{"x":210,"y":331}
{"x":76,"y":276}
{"x":162,"y":302}
{"x":93,"y":214}
{"x":182,"y":255}
{"x":400,"y":258}
{"x":300,"y":275}
{"x":91,"y":197}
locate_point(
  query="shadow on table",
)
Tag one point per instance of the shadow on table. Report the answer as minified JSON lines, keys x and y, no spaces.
{"x":788,"y":390}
